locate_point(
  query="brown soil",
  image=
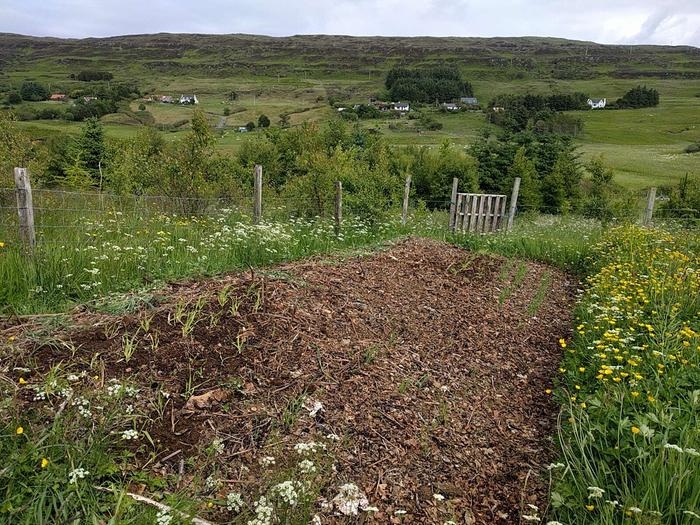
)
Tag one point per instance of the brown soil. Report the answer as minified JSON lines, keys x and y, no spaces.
{"x":434,"y":385}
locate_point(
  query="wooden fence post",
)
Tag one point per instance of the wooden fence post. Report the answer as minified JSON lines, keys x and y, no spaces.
{"x":513,"y":202}
{"x":406,"y":194}
{"x":257,"y":194}
{"x":453,"y":203}
{"x":338,"y":206}
{"x":649,"y":212}
{"x":25,"y":209}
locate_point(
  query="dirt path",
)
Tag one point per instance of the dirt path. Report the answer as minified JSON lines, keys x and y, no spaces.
{"x":431,"y":374}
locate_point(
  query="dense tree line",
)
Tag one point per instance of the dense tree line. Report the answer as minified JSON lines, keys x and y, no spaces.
{"x":539,"y":112}
{"x":639,"y":97}
{"x":92,"y":75}
{"x":301,"y":165}
{"x":442,"y":84}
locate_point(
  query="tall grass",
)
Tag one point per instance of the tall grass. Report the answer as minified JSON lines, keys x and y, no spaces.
{"x":630,"y":385}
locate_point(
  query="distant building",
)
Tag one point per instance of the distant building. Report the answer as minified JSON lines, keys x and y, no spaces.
{"x":340,"y":110}
{"x":189,"y":99}
{"x":498,"y":109}
{"x":400,"y":106}
{"x":450,"y":106}
{"x":89,"y":99}
{"x":469,"y":101}
{"x":242,"y":129}
{"x":57,"y":96}
{"x":597,"y":103}
{"x":166,"y":99}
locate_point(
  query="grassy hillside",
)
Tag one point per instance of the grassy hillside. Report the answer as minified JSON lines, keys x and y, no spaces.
{"x":299,"y":75}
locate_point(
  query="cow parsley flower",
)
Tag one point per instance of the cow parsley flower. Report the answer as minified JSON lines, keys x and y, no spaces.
{"x":130,"y":434}
{"x":264,"y":513}
{"x":76,"y":474}
{"x":163,"y":517}
{"x":307,"y":466}
{"x":267,"y":461}
{"x":234,"y":502}
{"x":350,"y":499}
{"x":595,"y":492}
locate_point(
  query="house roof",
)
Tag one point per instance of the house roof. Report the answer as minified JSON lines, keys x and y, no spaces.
{"x":469,"y":100}
{"x":596,"y":100}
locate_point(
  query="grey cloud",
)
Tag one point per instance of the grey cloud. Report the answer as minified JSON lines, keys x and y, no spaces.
{"x":623,"y":21}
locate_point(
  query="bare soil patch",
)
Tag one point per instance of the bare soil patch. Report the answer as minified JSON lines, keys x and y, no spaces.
{"x":433,"y":377}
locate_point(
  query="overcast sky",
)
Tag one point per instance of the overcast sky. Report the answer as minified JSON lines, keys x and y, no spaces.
{"x":610,"y":21}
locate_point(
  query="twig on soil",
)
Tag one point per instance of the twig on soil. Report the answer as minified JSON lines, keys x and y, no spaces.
{"x":158,"y":505}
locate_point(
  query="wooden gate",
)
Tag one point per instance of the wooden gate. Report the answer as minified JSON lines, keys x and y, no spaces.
{"x":479,"y":213}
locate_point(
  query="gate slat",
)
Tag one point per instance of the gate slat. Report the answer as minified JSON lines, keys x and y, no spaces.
{"x":496,"y":208}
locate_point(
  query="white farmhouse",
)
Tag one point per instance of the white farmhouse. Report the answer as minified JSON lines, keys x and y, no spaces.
{"x":189,"y":99}
{"x":597,"y":103}
{"x":400,"y":106}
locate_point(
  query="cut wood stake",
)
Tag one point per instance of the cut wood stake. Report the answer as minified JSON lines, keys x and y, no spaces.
{"x":257,"y":194}
{"x":406,"y":194}
{"x":453,"y":203}
{"x":513,"y":202}
{"x":25,"y":209}
{"x":338,"y":206}
{"x":649,"y":212}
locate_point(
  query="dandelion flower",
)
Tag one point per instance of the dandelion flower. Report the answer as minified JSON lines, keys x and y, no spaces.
{"x":20,"y":431}
{"x":635,"y":430}
{"x":590,"y":507}
{"x":44,"y":462}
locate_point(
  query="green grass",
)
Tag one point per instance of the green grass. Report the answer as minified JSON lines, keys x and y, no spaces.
{"x":628,"y":387}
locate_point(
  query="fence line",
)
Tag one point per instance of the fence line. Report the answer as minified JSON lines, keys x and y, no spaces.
{"x":52,"y":210}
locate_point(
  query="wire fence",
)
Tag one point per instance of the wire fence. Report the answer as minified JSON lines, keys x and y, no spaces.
{"x":59,"y":214}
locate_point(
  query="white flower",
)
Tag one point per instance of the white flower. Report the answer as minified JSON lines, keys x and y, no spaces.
{"x":350,"y":499}
{"x":307,"y":466}
{"x":554,"y":523}
{"x":267,"y":461}
{"x":316,"y":520}
{"x":595,"y":492}
{"x":692,"y":452}
{"x":370,"y":509}
{"x":333,"y":437}
{"x":399,"y":512}
{"x":264,"y":512}
{"x":303,"y":448}
{"x":287,"y":492}
{"x":211,"y":483}
{"x":163,"y":517}
{"x":438,"y":497}
{"x":76,"y":474}
{"x":130,"y":434}
{"x":218,"y":446}
{"x":234,"y":502}
{"x":673,"y":447}
{"x":531,"y":518}
{"x":636,"y":510}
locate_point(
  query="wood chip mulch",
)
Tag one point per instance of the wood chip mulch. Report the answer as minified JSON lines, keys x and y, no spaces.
{"x":434,"y":385}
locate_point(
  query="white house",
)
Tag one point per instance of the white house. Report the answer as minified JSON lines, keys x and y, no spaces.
{"x":449,"y":106}
{"x":188,"y":99}
{"x":469,"y":101}
{"x":400,"y":106}
{"x":597,"y":103}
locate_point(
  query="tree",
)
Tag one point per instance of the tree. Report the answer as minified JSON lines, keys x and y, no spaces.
{"x":14,"y":97}
{"x":227,"y":112}
{"x":263,"y":121}
{"x":284,"y":120}
{"x":250,"y":126}
{"x":91,"y":148}
{"x":33,"y":91}
{"x":530,"y":198}
{"x":142,"y":107}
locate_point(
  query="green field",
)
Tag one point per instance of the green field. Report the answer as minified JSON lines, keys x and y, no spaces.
{"x":299,"y":76}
